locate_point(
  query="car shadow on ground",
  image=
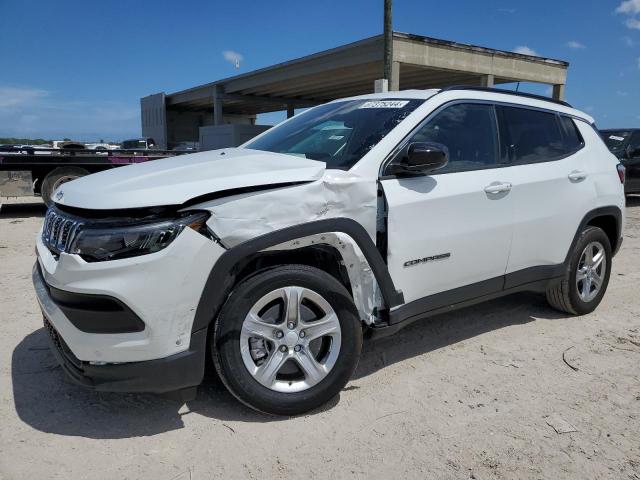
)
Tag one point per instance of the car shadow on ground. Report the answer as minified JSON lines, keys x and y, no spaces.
{"x":47,"y":401}
{"x":430,"y":334}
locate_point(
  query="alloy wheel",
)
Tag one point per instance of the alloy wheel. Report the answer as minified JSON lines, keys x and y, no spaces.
{"x":290,"y":339}
{"x":591,"y":271}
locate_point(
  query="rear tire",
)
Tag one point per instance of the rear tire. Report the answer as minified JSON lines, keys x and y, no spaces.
{"x":257,"y":327}
{"x":57,"y":177}
{"x":587,"y":275}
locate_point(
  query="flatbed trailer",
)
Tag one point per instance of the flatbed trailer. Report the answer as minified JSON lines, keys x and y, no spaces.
{"x":25,"y":172}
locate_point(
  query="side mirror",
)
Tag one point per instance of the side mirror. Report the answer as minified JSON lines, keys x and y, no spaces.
{"x":420,"y":158}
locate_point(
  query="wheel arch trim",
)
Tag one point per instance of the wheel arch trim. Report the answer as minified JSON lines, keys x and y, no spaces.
{"x":609,"y":211}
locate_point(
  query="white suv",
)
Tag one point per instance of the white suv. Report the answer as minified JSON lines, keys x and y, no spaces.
{"x":353,"y":218}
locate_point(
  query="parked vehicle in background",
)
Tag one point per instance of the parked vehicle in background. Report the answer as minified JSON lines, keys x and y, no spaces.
{"x":30,"y":170}
{"x":186,"y":147}
{"x":143,"y":143}
{"x":13,"y":148}
{"x":101,"y":146}
{"x":624,"y":143}
{"x":353,"y":218}
{"x":25,"y":149}
{"x":62,"y":143}
{"x":71,"y":145}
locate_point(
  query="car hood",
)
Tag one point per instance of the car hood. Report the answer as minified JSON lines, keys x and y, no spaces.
{"x":175,"y":180}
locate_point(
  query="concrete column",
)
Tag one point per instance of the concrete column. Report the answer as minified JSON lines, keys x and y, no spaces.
{"x":290,"y":110}
{"x":487,"y":81}
{"x":394,"y":84}
{"x":217,"y":105}
{"x":558,"y":91}
{"x":381,"y":85}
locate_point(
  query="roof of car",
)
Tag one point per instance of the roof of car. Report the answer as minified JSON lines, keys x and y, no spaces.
{"x":507,"y":96}
{"x":410,"y":94}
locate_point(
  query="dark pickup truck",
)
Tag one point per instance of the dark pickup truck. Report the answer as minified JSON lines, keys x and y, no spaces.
{"x":624,"y":143}
{"x":25,"y":171}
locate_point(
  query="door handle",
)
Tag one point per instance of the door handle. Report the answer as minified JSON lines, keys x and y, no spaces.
{"x":577,"y":176}
{"x":496,"y":187}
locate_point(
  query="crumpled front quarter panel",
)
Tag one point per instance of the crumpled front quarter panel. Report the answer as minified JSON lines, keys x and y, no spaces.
{"x":338,"y":194}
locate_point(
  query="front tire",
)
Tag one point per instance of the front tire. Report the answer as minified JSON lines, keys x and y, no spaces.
{"x":287,"y":340}
{"x":587,"y":275}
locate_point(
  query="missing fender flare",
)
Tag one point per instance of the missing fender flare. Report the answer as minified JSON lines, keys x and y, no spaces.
{"x":216,"y":287}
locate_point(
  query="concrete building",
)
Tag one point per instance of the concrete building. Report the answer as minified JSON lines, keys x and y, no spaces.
{"x":201,"y":113}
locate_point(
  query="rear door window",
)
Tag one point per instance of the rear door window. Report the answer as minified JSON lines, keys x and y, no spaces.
{"x":531,"y":136}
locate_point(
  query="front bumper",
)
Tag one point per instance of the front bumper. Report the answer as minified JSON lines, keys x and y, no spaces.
{"x":126,"y":325}
{"x":159,"y":292}
{"x":176,"y":372}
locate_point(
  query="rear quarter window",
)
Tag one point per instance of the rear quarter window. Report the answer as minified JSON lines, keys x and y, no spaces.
{"x":572,"y":138}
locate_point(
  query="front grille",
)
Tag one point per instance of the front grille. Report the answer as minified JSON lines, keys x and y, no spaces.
{"x":59,"y":231}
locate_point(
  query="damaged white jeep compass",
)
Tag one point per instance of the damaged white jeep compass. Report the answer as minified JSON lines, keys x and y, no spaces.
{"x":353,"y":218}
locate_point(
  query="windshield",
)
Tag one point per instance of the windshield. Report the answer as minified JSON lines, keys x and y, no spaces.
{"x":616,"y":140}
{"x":339,"y":134}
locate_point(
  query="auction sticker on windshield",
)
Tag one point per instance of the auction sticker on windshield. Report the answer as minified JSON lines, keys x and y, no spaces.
{"x":384,"y":104}
{"x":615,"y":137}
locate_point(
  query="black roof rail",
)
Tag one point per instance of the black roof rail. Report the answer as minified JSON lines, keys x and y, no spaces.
{"x":506,"y":92}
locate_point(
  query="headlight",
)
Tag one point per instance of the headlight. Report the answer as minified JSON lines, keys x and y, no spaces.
{"x":112,"y":243}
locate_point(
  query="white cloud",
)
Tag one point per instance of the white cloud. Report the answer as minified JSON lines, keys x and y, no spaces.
{"x":629,"y":7}
{"x":510,"y":11}
{"x":622,"y":93}
{"x":524,"y":50}
{"x":233,"y":57}
{"x":36,"y":113}
{"x":575,"y":45}
{"x":633,"y":23}
{"x":629,"y":41}
{"x":12,"y":96}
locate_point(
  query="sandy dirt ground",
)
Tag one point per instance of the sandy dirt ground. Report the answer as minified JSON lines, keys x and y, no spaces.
{"x":479,"y":393}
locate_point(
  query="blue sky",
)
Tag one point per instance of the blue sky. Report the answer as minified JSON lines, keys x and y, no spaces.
{"x":78,"y":68}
